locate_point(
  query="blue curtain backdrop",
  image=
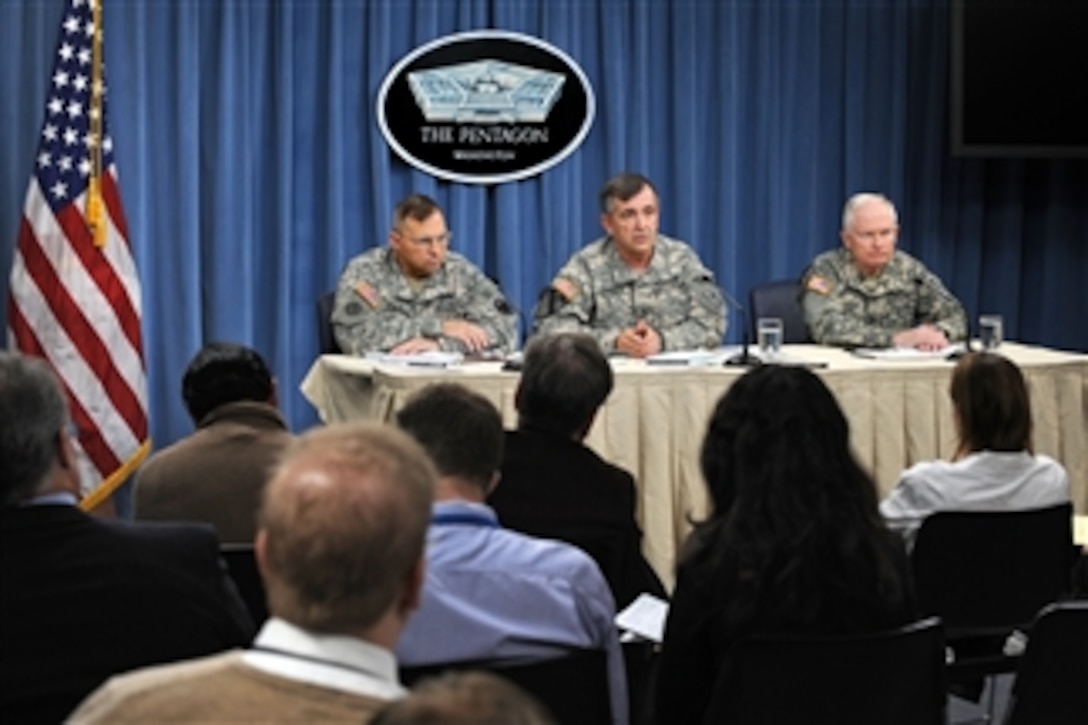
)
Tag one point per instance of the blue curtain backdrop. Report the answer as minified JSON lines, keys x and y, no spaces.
{"x":252,"y":167}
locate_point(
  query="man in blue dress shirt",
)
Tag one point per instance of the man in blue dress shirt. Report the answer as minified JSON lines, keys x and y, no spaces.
{"x":491,"y":593}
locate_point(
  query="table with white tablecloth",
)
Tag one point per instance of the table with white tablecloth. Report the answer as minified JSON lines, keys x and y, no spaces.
{"x":653,"y":423}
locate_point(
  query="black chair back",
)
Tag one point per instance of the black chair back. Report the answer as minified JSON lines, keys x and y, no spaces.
{"x":781,"y":299}
{"x":243,"y":571}
{"x":992,"y":570}
{"x":1049,"y":685}
{"x":325,"y":337}
{"x":886,"y":678}
{"x":573,"y":687}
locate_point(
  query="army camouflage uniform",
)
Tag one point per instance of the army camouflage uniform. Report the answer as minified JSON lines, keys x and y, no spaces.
{"x":377,"y":307}
{"x":844,"y":308}
{"x":598,"y":293}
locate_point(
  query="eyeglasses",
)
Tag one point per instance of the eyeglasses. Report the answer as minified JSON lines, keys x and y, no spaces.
{"x":440,"y":240}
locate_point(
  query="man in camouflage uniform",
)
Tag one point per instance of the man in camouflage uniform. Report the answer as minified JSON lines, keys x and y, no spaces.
{"x":416,"y":295}
{"x":636,"y":291}
{"x":868,"y":294}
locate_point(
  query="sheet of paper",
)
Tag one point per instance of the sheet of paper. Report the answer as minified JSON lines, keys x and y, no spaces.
{"x":645,"y":617}
{"x":429,"y":359}
{"x":907,"y":353}
{"x":692,"y":358}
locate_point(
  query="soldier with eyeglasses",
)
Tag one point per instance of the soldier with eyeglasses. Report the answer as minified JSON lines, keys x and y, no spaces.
{"x":415,"y":295}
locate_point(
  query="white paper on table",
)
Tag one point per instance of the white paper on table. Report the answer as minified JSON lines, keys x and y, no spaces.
{"x":907,"y":353}
{"x":645,"y":617}
{"x":691,"y":358}
{"x":428,"y":359}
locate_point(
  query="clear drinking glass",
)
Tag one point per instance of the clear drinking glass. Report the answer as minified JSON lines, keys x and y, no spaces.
{"x":769,"y":333}
{"x":991,"y":331}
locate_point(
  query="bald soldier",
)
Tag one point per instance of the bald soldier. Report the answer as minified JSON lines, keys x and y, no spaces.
{"x":636,"y":291}
{"x":415,"y":295}
{"x":869,"y":294}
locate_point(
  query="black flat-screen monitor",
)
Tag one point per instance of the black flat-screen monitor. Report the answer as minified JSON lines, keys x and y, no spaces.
{"x":1020,"y":78}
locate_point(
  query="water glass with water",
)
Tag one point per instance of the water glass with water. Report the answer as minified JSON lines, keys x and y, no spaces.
{"x":991,"y":331}
{"x":769,"y":331}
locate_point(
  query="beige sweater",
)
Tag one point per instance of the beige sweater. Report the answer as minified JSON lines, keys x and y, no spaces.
{"x":219,"y":689}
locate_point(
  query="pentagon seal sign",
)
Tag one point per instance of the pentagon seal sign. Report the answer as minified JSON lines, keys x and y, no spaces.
{"x":485,"y":107}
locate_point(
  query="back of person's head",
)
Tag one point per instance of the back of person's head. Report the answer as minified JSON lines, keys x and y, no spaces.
{"x":565,"y":378}
{"x":992,"y":405}
{"x":464,"y":698}
{"x":33,"y":413}
{"x":416,"y":206}
{"x":793,"y":514}
{"x":224,"y":372}
{"x":342,"y":525}
{"x":460,"y":429}
{"x":622,"y":187}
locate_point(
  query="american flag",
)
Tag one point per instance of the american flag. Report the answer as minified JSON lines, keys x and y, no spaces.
{"x":74,"y":297}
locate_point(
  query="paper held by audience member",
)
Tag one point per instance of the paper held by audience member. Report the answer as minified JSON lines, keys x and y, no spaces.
{"x":428,"y":359}
{"x":908,"y":353}
{"x":644,"y":617}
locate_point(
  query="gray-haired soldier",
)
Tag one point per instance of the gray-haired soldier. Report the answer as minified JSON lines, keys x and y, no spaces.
{"x":416,"y":295}
{"x":636,"y":291}
{"x":868,"y":294}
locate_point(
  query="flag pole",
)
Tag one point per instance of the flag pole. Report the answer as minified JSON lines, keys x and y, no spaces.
{"x":96,"y":213}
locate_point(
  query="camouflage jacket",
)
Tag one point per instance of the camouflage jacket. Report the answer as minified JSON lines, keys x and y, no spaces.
{"x":844,"y":308}
{"x":597,"y":292}
{"x":377,"y":307}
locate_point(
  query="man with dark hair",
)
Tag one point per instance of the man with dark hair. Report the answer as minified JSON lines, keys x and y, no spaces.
{"x":492,"y":593}
{"x":82,"y":598}
{"x":217,"y":474}
{"x":555,"y":487}
{"x":340,"y":548}
{"x":417,"y":296}
{"x":636,"y":291}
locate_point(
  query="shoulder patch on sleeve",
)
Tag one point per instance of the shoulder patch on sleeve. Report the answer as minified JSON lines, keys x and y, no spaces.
{"x":368,"y":293}
{"x":567,"y":289}
{"x":819,"y":285}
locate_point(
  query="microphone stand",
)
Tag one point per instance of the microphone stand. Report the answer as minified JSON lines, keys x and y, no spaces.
{"x":744,"y":358}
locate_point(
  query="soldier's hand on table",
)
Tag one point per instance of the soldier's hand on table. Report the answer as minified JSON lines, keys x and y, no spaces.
{"x":924,"y":337}
{"x":415,"y":345}
{"x":639,"y":341}
{"x":473,"y":336}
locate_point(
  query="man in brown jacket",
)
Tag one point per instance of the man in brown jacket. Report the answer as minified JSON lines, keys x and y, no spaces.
{"x":340,"y":547}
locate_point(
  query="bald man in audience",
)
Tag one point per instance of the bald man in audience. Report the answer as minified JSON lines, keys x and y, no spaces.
{"x":340,"y":547}
{"x":83,"y":598}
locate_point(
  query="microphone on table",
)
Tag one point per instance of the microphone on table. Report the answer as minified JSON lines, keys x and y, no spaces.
{"x":743,"y":358}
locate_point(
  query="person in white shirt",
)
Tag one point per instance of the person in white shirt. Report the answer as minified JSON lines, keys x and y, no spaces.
{"x":994,"y":467}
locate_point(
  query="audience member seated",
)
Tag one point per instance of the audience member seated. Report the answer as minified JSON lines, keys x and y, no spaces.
{"x":340,"y":546}
{"x":555,"y":487}
{"x":994,"y":468}
{"x":83,"y":598}
{"x":492,"y":593}
{"x":794,"y":543}
{"x":217,"y":474}
{"x":465,"y":698}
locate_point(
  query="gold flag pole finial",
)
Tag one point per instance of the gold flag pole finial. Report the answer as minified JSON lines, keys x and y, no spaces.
{"x":96,"y":212}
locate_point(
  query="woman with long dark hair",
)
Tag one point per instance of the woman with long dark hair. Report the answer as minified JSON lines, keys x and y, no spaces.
{"x":793,"y":543}
{"x":994,"y":467}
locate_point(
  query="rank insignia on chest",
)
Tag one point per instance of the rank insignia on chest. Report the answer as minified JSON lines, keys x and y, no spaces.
{"x":819,"y":285}
{"x":368,"y":293}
